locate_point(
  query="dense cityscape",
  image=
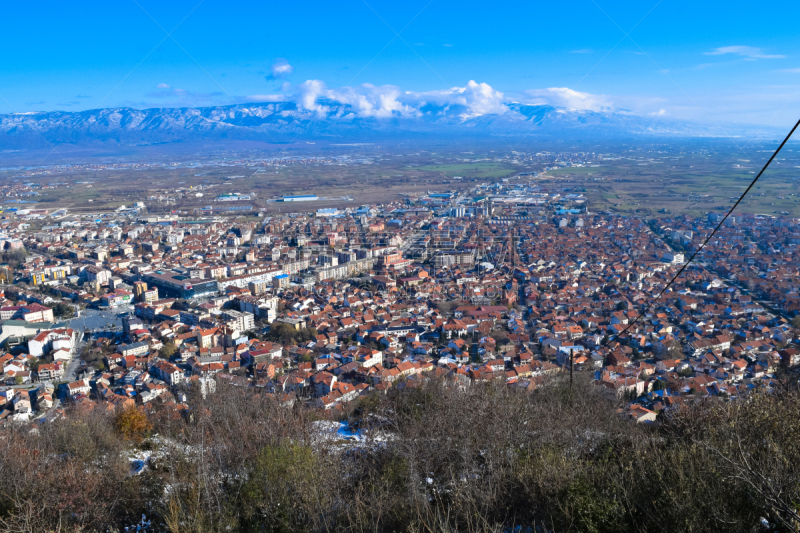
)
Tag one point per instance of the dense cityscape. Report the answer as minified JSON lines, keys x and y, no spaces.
{"x":501,"y":282}
{"x":399,"y":267}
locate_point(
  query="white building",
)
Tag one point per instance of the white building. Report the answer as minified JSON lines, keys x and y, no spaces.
{"x":676,"y":258}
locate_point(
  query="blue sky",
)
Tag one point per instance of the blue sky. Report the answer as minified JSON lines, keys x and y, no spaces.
{"x":710,"y":61}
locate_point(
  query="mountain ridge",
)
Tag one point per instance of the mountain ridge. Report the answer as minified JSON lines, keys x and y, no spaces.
{"x":287,"y":121}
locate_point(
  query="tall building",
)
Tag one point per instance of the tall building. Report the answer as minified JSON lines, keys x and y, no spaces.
{"x":281,"y":281}
{"x":139,"y":288}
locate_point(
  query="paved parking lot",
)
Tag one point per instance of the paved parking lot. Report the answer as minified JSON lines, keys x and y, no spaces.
{"x":97,"y":320}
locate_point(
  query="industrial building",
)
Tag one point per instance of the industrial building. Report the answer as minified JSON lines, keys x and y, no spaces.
{"x":176,"y":285}
{"x":301,"y":198}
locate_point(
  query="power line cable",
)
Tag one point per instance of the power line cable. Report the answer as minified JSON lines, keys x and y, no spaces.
{"x":700,"y":248}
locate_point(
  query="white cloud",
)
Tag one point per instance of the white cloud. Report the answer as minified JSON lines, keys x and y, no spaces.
{"x":307,"y":95}
{"x":564,"y":97}
{"x":478,"y":98}
{"x":366,"y":100}
{"x":748,"y":52}
{"x":385,"y":101}
{"x":280,"y":69}
{"x":162,"y":86}
{"x":369,"y":100}
{"x":471,"y":100}
{"x":582,"y":51}
{"x":481,"y":98}
{"x":791,"y":70}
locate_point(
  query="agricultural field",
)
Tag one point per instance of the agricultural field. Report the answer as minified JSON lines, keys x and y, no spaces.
{"x":470,"y":170}
{"x":652,"y":180}
{"x":694,"y":184}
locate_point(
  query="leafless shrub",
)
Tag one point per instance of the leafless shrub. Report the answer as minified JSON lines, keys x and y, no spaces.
{"x":433,"y":457}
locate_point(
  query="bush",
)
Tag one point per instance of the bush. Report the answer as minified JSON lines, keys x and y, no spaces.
{"x":277,"y":491}
{"x":445,"y":458}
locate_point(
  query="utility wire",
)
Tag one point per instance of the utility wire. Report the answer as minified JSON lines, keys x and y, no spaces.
{"x":700,"y":248}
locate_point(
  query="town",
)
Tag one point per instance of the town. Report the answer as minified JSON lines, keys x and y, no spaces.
{"x":499,"y":282}
{"x":424,"y":267}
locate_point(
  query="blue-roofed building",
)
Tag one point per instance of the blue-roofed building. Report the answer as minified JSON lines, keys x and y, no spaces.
{"x":301,"y":198}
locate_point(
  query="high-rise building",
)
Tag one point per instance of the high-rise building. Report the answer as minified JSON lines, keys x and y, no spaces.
{"x":139,"y":288}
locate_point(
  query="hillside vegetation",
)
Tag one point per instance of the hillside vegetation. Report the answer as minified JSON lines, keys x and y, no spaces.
{"x":435,"y":458}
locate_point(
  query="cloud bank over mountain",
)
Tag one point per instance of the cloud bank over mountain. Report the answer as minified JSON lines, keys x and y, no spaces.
{"x":571,"y":99}
{"x":384,"y":101}
{"x":312,"y":110}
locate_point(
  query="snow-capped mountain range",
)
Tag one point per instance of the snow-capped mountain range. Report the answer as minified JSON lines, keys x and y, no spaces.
{"x":288,"y":121}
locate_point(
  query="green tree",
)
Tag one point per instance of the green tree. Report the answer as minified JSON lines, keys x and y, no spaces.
{"x":62,"y":310}
{"x":659,"y":384}
{"x":287,"y":334}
